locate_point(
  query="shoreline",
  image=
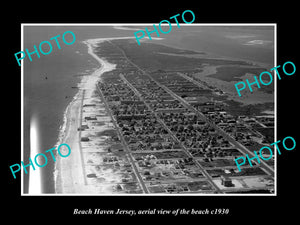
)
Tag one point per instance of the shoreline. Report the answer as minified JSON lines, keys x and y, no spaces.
{"x":250,"y":98}
{"x":68,"y":174}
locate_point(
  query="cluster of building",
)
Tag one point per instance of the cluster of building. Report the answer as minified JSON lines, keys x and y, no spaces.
{"x":178,"y":133}
{"x":170,"y":141}
{"x":140,"y":128}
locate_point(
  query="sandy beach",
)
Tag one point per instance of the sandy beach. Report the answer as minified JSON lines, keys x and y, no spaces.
{"x":70,"y":177}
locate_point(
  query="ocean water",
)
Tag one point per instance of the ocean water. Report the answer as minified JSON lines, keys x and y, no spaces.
{"x":250,"y":43}
{"x":48,"y":80}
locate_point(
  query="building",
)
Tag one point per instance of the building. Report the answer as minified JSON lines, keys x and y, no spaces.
{"x":85,"y":139}
{"x":226,"y":181}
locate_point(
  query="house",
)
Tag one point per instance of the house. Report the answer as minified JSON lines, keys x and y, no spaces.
{"x":89,"y":105}
{"x":83,"y":127}
{"x":90,"y":118}
{"x":85,"y":139}
{"x":226,"y":181}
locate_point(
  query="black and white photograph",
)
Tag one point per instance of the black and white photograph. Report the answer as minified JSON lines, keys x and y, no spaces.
{"x":162,"y":117}
{"x":172,"y":112}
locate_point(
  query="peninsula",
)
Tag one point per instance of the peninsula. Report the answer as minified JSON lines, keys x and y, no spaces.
{"x":160,"y":120}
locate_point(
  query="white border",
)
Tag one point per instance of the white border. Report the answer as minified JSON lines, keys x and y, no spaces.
{"x":22,"y":111}
{"x":148,"y":24}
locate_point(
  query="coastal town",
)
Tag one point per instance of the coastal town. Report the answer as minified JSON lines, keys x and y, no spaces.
{"x":167,"y":132}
